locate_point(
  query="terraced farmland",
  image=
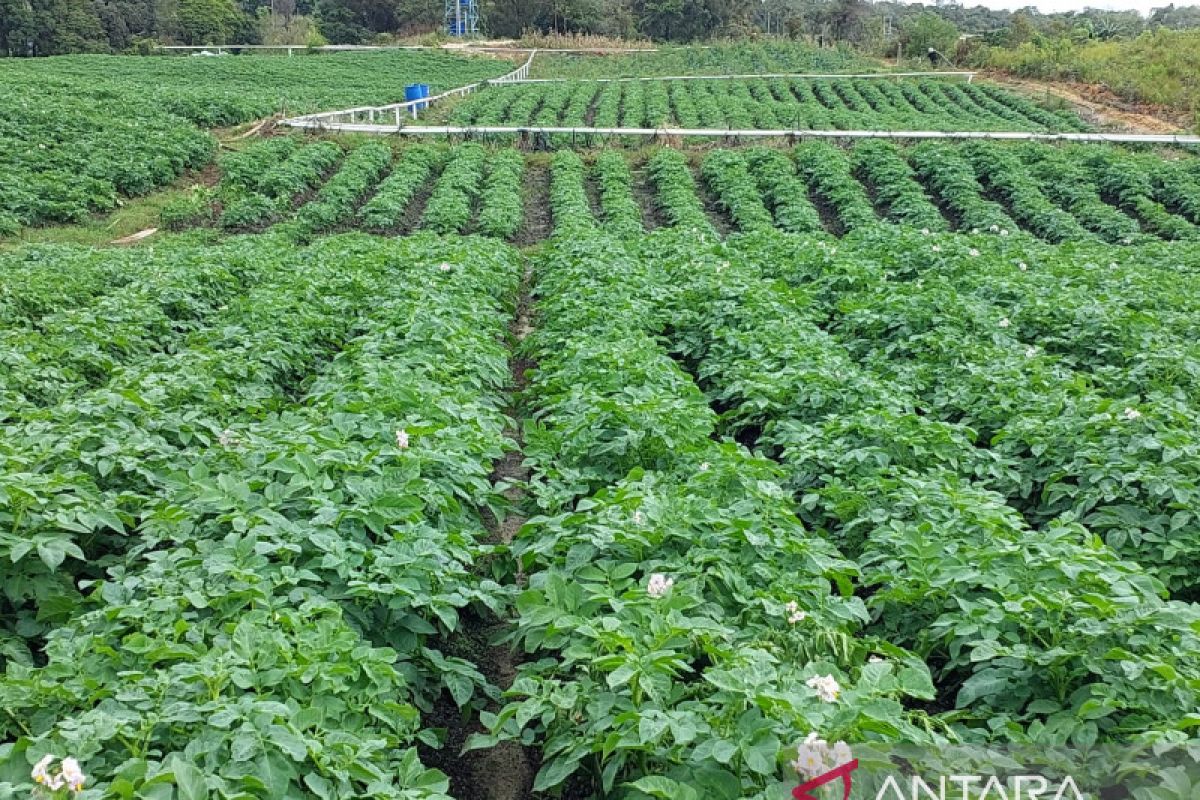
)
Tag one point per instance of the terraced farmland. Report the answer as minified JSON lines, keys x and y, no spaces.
{"x":761,"y":104}
{"x":1083,"y":194}
{"x":424,"y":470}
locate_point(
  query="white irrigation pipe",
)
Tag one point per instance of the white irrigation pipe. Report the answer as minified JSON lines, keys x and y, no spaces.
{"x":805,"y":75}
{"x":712,"y":133}
{"x":499,"y":49}
{"x":337,"y":120}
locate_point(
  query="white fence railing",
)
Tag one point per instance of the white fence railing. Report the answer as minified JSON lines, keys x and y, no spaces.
{"x":722,"y":133}
{"x":394,"y":113}
{"x":970,"y":76}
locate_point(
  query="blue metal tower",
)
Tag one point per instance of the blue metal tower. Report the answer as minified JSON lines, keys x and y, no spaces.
{"x":462,"y":17}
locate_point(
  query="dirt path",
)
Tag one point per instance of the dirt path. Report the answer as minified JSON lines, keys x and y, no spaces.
{"x":505,"y":771}
{"x":536,"y":198}
{"x":1096,"y":105}
{"x":645,"y":194}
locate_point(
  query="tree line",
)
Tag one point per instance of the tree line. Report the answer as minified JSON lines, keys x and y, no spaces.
{"x":47,"y":27}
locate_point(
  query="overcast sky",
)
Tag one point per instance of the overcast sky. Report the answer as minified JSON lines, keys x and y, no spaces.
{"x":1054,"y":6}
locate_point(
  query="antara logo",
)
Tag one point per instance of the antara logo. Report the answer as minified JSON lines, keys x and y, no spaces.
{"x":979,"y":787}
{"x":802,"y":792}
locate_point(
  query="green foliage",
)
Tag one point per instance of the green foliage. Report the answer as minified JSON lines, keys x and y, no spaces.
{"x":82,"y":131}
{"x":210,"y":21}
{"x":827,"y":169}
{"x":721,"y":58}
{"x":677,"y":189}
{"x":928,"y":30}
{"x":263,"y":180}
{"x":783,"y":190}
{"x":1156,"y":67}
{"x":569,"y":204}
{"x":256,"y":635}
{"x":414,"y":167}
{"x":194,"y":208}
{"x":622,"y":215}
{"x":761,"y":103}
{"x":896,"y":189}
{"x":501,"y":212}
{"x":450,"y":204}
{"x":729,"y":178}
{"x":338,"y":198}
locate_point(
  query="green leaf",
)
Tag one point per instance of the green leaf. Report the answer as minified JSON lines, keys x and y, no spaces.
{"x":289,"y":742}
{"x":621,"y":675}
{"x":762,"y":754}
{"x":319,"y":785}
{"x":189,"y":780}
{"x":556,"y":771}
{"x":664,"y":788}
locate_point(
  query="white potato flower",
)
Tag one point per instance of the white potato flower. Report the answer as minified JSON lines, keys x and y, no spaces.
{"x":826,"y":687}
{"x":659,"y":585}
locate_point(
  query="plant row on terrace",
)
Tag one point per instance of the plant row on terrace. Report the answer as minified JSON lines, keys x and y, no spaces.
{"x":273,"y":527}
{"x":760,"y":103}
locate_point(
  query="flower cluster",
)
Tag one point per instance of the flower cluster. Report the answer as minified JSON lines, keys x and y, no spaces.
{"x":659,"y":585}
{"x":794,"y":613}
{"x":445,"y":267}
{"x":815,"y":756}
{"x":228,"y":439}
{"x":69,"y":775}
{"x":825,"y":686}
{"x":402,"y":439}
{"x":1131,"y":413}
{"x":1004,"y":323}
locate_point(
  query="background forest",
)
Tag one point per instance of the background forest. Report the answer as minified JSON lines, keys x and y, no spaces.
{"x":1154,"y":59}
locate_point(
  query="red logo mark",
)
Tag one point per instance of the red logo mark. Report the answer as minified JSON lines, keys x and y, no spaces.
{"x":802,"y":792}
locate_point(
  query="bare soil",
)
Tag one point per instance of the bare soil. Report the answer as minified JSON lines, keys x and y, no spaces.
{"x":643,"y":193}
{"x":537,"y":224}
{"x":416,"y":206}
{"x":828,"y":214}
{"x":1098,"y":105}
{"x":592,"y":190}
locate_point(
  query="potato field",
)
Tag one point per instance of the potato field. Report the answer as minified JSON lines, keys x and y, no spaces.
{"x":406,"y":468}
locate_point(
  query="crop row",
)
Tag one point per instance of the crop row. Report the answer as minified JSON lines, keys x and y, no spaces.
{"x":1058,"y":194}
{"x":165,"y":297}
{"x":414,"y":168}
{"x":264,"y":179}
{"x":670,"y":585}
{"x":271,"y":630}
{"x":81,"y":132}
{"x":1036,"y":631}
{"x":760,"y":103}
{"x":621,"y":212}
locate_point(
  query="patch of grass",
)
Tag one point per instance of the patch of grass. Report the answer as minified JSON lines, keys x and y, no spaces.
{"x":134,"y":215}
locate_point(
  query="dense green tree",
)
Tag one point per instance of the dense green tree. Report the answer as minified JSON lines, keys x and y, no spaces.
{"x":127,"y":20}
{"x":928,"y":30}
{"x":343,"y":21}
{"x":210,"y":21}
{"x":67,"y":26}
{"x":17,"y":28}
{"x":1176,"y":17}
